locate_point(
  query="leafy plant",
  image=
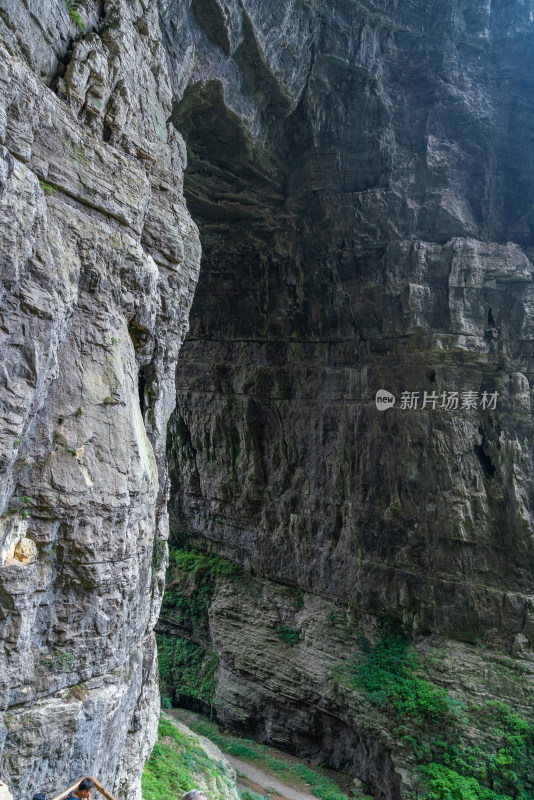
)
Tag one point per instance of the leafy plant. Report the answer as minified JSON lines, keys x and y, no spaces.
{"x":78,"y":692}
{"x":59,"y":659}
{"x":58,"y":438}
{"x":26,"y":501}
{"x":462,"y":749}
{"x":287,"y":634}
{"x":74,"y":14}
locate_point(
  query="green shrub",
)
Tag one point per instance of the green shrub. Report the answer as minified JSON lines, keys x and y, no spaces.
{"x":459,"y":747}
{"x":445,"y":784}
{"x":287,"y":634}
{"x":74,"y":14}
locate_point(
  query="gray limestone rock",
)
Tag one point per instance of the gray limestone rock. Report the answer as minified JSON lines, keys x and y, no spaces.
{"x":99,"y":260}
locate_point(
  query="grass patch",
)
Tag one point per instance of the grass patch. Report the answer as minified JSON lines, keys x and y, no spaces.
{"x":47,"y":187}
{"x":178,"y":764}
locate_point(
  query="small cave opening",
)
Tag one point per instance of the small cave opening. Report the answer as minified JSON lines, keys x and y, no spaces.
{"x":484,"y":460}
{"x":145,"y":377}
{"x":141,"y":387}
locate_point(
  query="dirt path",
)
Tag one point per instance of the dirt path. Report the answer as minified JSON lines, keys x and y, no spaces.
{"x":264,"y":783}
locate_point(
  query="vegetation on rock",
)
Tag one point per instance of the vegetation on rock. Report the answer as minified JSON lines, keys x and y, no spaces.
{"x":186,"y":668}
{"x":464,"y":751}
{"x":178,"y":764}
{"x":269,"y":758}
{"x":74,"y":14}
{"x":287,"y":634}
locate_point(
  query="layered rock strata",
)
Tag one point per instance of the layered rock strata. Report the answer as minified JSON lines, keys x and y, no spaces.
{"x":362,"y":180}
{"x":99,"y":261}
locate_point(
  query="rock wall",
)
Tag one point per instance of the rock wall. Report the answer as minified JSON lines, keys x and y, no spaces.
{"x":372,"y":233}
{"x":99,"y":261}
{"x":361,"y":175}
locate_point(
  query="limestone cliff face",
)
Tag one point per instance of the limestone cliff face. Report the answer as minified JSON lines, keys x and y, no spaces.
{"x":373,"y":232}
{"x":99,"y":260}
{"x":361,"y":174}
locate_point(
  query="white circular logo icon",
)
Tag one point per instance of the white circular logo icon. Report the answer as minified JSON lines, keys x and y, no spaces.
{"x":384,"y":400}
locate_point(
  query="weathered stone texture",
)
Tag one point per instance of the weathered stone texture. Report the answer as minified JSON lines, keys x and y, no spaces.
{"x":362,"y":177}
{"x":301,"y":697}
{"x":99,"y":261}
{"x":365,"y":224}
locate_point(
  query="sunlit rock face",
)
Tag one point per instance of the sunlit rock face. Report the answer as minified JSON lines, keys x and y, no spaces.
{"x":362,"y":177}
{"x":99,"y":260}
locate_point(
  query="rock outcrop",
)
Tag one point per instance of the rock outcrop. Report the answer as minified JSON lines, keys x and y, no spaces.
{"x":99,"y":261}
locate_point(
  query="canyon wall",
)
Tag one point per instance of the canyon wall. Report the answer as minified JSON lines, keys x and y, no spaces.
{"x":99,"y":261}
{"x":361,"y":173}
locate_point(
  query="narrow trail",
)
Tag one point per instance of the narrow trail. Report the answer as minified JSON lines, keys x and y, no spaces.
{"x":263,"y":782}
